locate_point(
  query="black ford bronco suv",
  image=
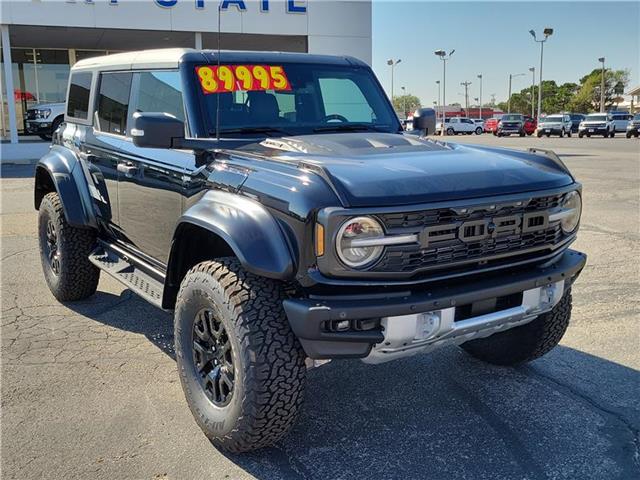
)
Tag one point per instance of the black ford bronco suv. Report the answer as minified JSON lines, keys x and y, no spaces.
{"x":274,"y":204}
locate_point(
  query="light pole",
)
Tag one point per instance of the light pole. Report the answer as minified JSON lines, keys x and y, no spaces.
{"x":404,"y":101}
{"x":480,"y":101}
{"x":444,"y":57}
{"x":392,"y":63}
{"x":466,"y":96}
{"x":438,"y":83}
{"x":511,"y":76}
{"x":601,"y":60}
{"x":533,"y":83}
{"x":547,"y":33}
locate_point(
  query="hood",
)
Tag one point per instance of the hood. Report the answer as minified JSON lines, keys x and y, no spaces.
{"x":52,"y":106}
{"x":385,"y":169}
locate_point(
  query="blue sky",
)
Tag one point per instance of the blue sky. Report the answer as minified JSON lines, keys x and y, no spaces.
{"x":493,"y":38}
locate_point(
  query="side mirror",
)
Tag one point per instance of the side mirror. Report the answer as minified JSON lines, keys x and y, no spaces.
{"x":156,"y":130}
{"x":425,"y":119}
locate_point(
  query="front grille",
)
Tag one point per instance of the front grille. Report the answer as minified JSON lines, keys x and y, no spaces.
{"x":445,"y":253}
{"x":427,"y":218}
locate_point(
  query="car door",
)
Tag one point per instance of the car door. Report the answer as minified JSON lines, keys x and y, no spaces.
{"x":103,"y":142}
{"x":467,"y":125}
{"x":151,"y":180}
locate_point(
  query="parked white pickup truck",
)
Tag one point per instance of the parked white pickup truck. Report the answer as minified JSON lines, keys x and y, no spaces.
{"x":44,"y":119}
{"x":456,"y":125}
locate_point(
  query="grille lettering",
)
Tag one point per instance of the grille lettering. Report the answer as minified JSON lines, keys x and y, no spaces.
{"x":483,"y":229}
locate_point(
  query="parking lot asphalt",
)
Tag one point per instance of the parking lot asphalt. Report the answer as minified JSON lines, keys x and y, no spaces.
{"x":90,"y":389}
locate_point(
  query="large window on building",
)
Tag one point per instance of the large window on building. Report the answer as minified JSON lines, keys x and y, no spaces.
{"x":113,"y":102}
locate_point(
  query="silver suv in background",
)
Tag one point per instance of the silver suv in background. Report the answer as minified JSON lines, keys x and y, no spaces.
{"x":557,"y":124}
{"x":633,"y":127}
{"x":620,"y":120}
{"x":44,"y":119}
{"x":597,"y":124}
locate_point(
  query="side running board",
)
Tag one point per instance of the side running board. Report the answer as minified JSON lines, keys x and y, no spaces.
{"x":140,"y":278}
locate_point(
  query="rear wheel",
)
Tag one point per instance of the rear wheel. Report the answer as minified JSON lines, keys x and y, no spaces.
{"x":64,"y":253}
{"x":241,"y":367}
{"x":612,"y":134}
{"x":527,"y":342}
{"x":580,"y":135}
{"x":569,"y":133}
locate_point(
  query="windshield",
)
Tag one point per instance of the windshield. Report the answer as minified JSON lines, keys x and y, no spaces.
{"x":552,"y":118}
{"x":596,"y":118}
{"x":636,"y":117}
{"x":307,"y":98}
{"x":512,"y":118}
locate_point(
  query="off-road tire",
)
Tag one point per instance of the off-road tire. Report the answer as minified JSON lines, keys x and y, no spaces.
{"x":526,"y":342}
{"x":77,"y":277}
{"x":268,"y":361}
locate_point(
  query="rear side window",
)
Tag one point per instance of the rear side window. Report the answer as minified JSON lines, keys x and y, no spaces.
{"x":159,"y":91}
{"x":79,"y":90}
{"x":113,"y":102}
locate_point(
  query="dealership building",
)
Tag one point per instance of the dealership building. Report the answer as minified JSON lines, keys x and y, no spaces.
{"x":42,"y":39}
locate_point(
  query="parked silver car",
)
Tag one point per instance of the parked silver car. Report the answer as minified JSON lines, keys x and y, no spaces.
{"x":557,"y":124}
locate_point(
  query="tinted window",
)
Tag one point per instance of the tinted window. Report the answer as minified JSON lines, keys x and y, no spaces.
{"x":113,"y":102}
{"x":319,"y":97}
{"x":343,"y":97}
{"x":79,"y":90}
{"x":160,"y":92}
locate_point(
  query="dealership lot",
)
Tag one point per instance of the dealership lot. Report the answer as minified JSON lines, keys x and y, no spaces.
{"x":90,"y":389}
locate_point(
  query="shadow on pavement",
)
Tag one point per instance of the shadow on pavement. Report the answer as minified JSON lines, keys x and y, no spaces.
{"x":441,"y":416}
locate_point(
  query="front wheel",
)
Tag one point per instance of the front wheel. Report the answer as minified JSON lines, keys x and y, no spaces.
{"x":478,"y":131}
{"x":241,"y":367}
{"x":64,"y":253}
{"x":526,"y":342}
{"x":450,"y":131}
{"x":628,"y":135}
{"x":561,"y":134}
{"x":612,"y":134}
{"x":580,"y":135}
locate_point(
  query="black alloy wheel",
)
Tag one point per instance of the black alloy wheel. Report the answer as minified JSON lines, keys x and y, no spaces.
{"x":51,"y":247}
{"x":213,"y":358}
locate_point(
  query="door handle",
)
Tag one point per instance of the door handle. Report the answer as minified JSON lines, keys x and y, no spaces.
{"x":128,"y":169}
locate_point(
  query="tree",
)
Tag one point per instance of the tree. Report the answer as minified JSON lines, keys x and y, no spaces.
{"x":406,"y":103}
{"x":587,"y":99}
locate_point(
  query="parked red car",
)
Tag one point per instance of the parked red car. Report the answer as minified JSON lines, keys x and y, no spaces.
{"x":491,"y":125}
{"x":530,"y":125}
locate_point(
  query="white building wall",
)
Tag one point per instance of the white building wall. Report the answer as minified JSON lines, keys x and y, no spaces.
{"x":332,"y":26}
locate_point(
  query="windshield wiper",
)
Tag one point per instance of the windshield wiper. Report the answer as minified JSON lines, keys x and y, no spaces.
{"x":348,"y":127}
{"x":265,"y":130}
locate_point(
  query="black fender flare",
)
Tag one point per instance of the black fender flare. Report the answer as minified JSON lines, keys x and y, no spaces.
{"x":63,"y":169}
{"x":248,"y":228}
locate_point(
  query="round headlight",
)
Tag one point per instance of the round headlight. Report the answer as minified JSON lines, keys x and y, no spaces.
{"x":352,"y":240}
{"x":573,"y":204}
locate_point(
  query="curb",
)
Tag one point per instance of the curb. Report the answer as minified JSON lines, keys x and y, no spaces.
{"x":21,"y":161}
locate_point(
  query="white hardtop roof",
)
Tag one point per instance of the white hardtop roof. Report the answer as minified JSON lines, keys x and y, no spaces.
{"x":158,"y":58}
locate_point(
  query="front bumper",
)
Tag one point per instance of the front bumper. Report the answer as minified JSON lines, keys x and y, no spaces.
{"x":549,"y":130}
{"x":594,"y":130}
{"x":38,"y":127}
{"x":311,"y":318}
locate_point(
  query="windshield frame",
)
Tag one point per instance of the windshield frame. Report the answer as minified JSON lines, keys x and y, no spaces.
{"x":202,"y":123}
{"x":516,"y":117}
{"x":597,"y":118}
